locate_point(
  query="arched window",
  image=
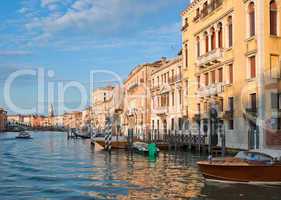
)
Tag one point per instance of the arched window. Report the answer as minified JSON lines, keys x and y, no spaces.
{"x":220,"y":35}
{"x":198,"y":45}
{"x":252,"y":21}
{"x":213,"y":38}
{"x":206,"y":42}
{"x":230,"y":31}
{"x":273,"y":18}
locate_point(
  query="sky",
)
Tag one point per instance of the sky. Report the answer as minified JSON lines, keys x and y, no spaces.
{"x":65,"y":40}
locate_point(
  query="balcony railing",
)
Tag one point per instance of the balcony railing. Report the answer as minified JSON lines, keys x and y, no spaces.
{"x":175,"y":78}
{"x":213,"y":57}
{"x":211,"y":7}
{"x":211,"y":90}
{"x":184,"y":26}
{"x":161,"y":110}
{"x":228,"y":114}
{"x":253,"y":112}
{"x":133,"y":85}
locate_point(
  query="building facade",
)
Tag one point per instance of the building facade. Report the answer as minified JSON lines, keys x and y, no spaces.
{"x":102,"y":103}
{"x":137,"y":105}
{"x":231,"y":60}
{"x":3,"y":120}
{"x":167,"y":94}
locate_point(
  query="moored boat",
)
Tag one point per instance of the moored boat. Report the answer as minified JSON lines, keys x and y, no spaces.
{"x":141,"y":147}
{"x":247,"y":167}
{"x":23,"y":135}
{"x":121,"y":143}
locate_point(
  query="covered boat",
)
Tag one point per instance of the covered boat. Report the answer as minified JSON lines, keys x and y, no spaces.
{"x":142,"y":147}
{"x":246,"y":166}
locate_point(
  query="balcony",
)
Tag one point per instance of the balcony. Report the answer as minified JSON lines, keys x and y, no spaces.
{"x":213,"y":57}
{"x":197,"y":117}
{"x":211,"y":90}
{"x":228,"y":115}
{"x":133,"y":85}
{"x":210,"y":8}
{"x":175,"y":79}
{"x":161,"y":111}
{"x":185,"y":27}
{"x":252,"y":112}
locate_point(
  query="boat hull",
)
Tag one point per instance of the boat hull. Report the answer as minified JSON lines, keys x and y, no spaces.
{"x":241,"y":173}
{"x":114,"y":144}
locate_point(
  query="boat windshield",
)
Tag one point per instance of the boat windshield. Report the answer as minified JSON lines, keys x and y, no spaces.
{"x":254,"y":156}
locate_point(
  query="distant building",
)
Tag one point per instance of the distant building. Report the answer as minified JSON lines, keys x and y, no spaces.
{"x":13,"y":119}
{"x":3,"y":120}
{"x":72,"y":120}
{"x":137,"y":108}
{"x":86,"y":116}
{"x":58,"y":121}
{"x":102,"y":104}
{"x":38,"y":121}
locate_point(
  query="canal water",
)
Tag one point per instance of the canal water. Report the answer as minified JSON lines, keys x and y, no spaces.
{"x":52,"y":167}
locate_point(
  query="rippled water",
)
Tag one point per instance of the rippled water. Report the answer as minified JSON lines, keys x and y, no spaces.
{"x":52,"y":167}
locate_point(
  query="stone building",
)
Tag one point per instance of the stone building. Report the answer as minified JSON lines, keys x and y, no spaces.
{"x":231,"y":57}
{"x":167,"y":94}
{"x":137,"y":100}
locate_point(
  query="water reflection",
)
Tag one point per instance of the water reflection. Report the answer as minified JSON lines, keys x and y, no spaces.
{"x":52,"y":167}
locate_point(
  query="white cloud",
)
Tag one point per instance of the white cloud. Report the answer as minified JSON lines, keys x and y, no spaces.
{"x":82,"y":14}
{"x":45,"y":3}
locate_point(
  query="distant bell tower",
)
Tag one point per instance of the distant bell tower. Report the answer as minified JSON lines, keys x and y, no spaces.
{"x":51,"y":111}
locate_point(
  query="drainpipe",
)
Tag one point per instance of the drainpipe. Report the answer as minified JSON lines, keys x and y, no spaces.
{"x":260,"y":75}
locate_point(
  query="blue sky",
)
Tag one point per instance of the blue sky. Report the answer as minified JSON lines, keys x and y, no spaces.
{"x":73,"y":37}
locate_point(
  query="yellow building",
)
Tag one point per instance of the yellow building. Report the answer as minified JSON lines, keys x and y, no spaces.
{"x":137,"y":108}
{"x":102,"y":103}
{"x":231,"y":56}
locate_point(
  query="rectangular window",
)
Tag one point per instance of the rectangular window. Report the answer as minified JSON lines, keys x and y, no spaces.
{"x":198,"y":82}
{"x":274,"y":66}
{"x":221,"y":105}
{"x":173,"y":124}
{"x":205,"y":107}
{"x":273,"y":21}
{"x":220,"y":75}
{"x":230,"y":74}
{"x":158,"y":125}
{"x":206,"y":79}
{"x":173,"y":98}
{"x":158,"y":81}
{"x":153,"y":125}
{"x":275,"y":100}
{"x":213,"y":77}
{"x":231,"y":104}
{"x":198,"y":108}
{"x":180,"y":124}
{"x":252,"y":61}
{"x":180,"y":97}
{"x":253,"y":102}
{"x":186,"y":87}
{"x":186,"y":55}
{"x":231,"y":124}
{"x":179,"y":74}
{"x":230,"y":35}
{"x":252,"y":24}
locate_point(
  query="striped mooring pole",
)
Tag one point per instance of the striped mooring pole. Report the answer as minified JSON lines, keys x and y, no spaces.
{"x":108,"y":135}
{"x":106,"y":140}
